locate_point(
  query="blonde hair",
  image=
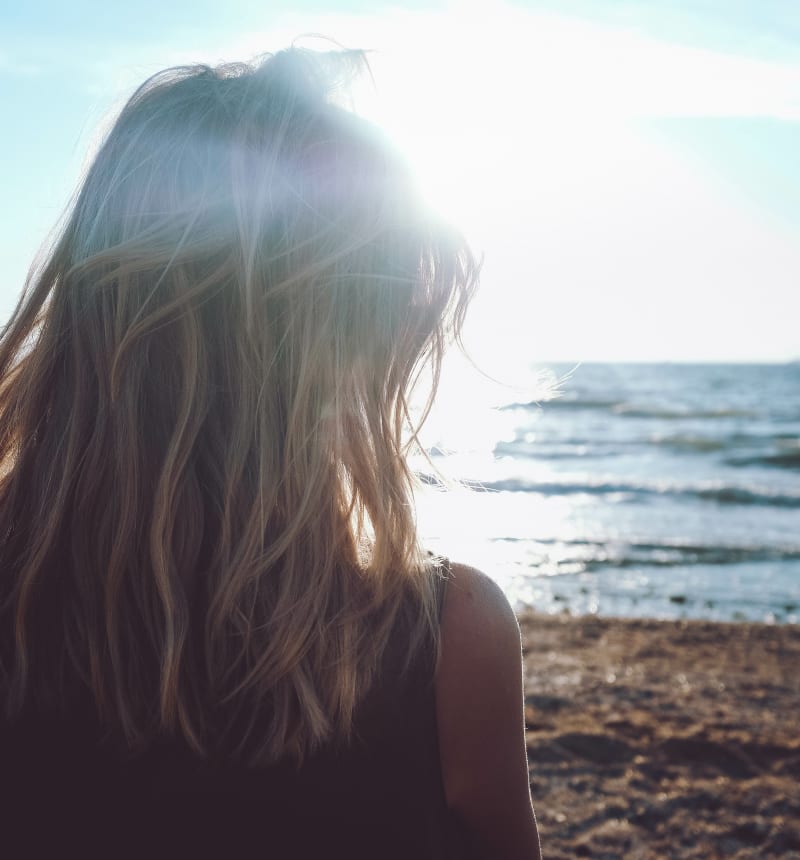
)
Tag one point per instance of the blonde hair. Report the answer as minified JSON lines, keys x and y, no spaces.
{"x":205,"y":505}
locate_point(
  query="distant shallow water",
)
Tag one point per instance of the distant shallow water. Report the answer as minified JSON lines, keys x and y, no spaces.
{"x":667,"y":491}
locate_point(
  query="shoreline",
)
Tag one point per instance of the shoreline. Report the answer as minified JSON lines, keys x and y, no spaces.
{"x":659,"y":738}
{"x":572,"y":594}
{"x":561,"y":609}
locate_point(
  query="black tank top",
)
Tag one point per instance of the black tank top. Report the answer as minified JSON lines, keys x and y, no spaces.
{"x":381,"y":798}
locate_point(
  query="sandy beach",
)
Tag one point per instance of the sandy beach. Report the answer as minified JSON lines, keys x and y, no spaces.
{"x":663,"y":739}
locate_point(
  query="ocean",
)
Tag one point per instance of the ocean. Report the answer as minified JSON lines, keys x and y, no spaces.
{"x":660,"y":490}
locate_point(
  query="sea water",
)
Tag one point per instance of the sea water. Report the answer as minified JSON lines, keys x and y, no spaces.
{"x":663,"y":490}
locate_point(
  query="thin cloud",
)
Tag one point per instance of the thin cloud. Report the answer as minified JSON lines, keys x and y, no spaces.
{"x":486,"y":61}
{"x":15,"y":68}
{"x":491,"y":62}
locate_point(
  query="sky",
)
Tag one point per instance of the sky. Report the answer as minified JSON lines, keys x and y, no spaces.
{"x":628,"y":170}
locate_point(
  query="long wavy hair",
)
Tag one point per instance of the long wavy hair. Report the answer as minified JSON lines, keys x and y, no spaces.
{"x":205,"y":504}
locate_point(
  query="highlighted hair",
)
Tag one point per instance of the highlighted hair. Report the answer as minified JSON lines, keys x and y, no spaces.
{"x":205,"y":504}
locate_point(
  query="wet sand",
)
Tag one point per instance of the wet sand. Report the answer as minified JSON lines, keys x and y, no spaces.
{"x":663,"y":739}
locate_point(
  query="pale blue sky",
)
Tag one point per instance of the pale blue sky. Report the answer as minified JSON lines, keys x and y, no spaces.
{"x":629,"y":169}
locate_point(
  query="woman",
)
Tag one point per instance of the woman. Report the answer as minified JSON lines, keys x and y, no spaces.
{"x":219,"y":633}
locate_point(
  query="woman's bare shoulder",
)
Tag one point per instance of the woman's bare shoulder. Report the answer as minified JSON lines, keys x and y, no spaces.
{"x":474,"y":602}
{"x":480,"y":637}
{"x":479,"y":706}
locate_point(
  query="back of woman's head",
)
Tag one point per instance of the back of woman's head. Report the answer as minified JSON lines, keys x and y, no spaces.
{"x":203,"y":413}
